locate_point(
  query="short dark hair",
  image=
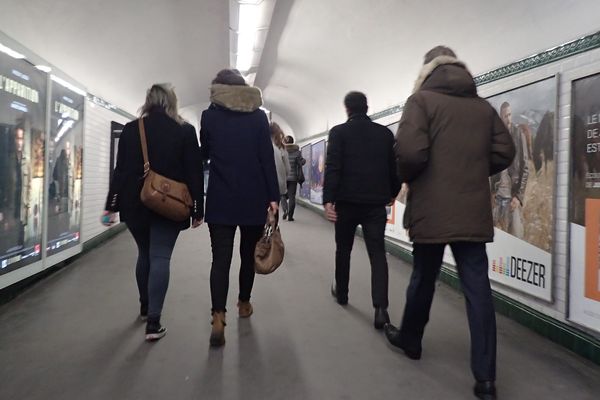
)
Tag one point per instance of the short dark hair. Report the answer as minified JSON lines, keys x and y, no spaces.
{"x":289,"y":139}
{"x":436,"y":52}
{"x":504,"y":106}
{"x":229,"y":77}
{"x":356,"y":102}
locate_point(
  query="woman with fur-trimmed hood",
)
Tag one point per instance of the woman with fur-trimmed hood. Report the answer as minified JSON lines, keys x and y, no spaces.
{"x":235,"y":137}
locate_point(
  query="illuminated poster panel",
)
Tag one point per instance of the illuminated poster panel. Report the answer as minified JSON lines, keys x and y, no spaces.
{"x":317,"y":172}
{"x":65,"y":152}
{"x":523,"y":194}
{"x":305,"y":188}
{"x":584,"y":293}
{"x":22,"y":121}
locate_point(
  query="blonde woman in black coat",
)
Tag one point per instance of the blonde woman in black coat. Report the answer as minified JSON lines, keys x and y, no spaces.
{"x":173,"y":152}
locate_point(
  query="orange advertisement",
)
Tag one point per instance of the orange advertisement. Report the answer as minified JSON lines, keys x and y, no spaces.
{"x":391,"y":214}
{"x":592,"y":249}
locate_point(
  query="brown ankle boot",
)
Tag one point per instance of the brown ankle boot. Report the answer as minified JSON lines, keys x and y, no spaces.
{"x":217,"y":335}
{"x":244,"y":309}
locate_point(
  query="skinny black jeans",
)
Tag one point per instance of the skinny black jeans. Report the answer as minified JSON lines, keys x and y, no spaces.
{"x":221,"y":240}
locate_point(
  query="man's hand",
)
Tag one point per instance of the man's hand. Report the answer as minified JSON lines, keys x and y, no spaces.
{"x":197,"y":222}
{"x":515,"y":203}
{"x":274,"y":206}
{"x":330,"y":212}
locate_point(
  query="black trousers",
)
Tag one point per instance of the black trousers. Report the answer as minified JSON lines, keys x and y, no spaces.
{"x":221,"y":240}
{"x":373,"y":220}
{"x":472,"y":262}
{"x":292,"y":188}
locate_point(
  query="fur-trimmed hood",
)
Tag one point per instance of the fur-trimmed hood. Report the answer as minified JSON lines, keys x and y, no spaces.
{"x":236,"y":98}
{"x":447,"y":75}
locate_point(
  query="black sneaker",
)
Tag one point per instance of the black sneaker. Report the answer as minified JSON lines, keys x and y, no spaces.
{"x":154,"y":331}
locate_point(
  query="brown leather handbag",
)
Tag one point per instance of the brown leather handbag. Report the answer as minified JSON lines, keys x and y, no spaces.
{"x":164,"y":196}
{"x":269,"y":251}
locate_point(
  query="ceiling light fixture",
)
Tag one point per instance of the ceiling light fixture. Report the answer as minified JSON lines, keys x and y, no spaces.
{"x":44,"y":68}
{"x":11,"y":52}
{"x":247,"y":26}
{"x":68,"y":85}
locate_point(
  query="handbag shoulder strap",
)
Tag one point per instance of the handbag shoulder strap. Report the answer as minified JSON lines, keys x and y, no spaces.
{"x":144,"y":146}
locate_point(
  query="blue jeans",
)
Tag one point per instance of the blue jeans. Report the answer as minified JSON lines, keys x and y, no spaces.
{"x":155,"y":243}
{"x":472,"y":266}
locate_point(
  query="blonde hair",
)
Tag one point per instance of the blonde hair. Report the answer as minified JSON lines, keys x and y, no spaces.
{"x":277,"y":135}
{"x":161,"y":95}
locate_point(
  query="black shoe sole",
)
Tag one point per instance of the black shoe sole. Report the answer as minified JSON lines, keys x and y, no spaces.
{"x":154,"y":336}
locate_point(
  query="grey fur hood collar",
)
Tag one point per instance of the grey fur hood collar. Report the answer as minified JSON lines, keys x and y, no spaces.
{"x":236,"y":98}
{"x":431,"y":66}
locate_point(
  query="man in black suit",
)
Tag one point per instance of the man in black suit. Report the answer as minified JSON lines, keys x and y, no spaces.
{"x":360,"y":180}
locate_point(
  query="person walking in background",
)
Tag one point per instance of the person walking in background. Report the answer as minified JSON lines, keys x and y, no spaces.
{"x":360,"y":180}
{"x":295,"y":177}
{"x":174,"y":153}
{"x":449,"y":142}
{"x":282,"y":162}
{"x":235,"y":137}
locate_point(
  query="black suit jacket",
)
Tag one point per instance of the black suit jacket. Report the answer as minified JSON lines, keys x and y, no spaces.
{"x":360,"y":166}
{"x":173,"y":152}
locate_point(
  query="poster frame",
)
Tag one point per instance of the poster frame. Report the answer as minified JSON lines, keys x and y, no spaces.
{"x":532,"y":80}
{"x":50,"y":261}
{"x":571,"y":77}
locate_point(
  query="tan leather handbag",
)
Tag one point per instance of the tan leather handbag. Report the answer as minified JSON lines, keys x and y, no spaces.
{"x":269,"y":251}
{"x":164,"y":196}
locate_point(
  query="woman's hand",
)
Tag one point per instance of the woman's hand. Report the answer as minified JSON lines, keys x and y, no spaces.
{"x":274,"y":206}
{"x":108,"y":218}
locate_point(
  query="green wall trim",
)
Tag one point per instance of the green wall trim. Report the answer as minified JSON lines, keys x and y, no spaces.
{"x":557,"y":53}
{"x":9,"y":293}
{"x":563,"y":334}
{"x":574,"y":47}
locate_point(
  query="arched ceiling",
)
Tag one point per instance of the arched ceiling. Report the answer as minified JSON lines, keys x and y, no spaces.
{"x":118,"y":48}
{"x":319,"y":50}
{"x":316,"y":50}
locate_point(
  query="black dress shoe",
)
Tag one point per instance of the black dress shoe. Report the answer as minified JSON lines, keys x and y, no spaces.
{"x":394,"y":336}
{"x":485,"y":390}
{"x":381,"y":318}
{"x":341,"y":300}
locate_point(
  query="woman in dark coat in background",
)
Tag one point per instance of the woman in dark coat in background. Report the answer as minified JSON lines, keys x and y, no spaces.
{"x":235,"y":137}
{"x":172,"y":152}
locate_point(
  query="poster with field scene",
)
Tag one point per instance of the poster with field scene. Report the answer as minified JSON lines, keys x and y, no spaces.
{"x":523,"y":194}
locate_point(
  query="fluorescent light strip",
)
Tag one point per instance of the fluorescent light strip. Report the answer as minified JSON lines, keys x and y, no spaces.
{"x":44,"y":68}
{"x":68,"y":85}
{"x":246,"y":38}
{"x":10,"y":52}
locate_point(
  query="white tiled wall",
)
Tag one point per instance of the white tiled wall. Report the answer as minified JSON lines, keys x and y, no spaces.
{"x":96,"y":163}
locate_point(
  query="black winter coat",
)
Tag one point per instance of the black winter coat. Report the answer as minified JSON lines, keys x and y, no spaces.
{"x":173,"y":152}
{"x":360,"y":166}
{"x":235,"y":137}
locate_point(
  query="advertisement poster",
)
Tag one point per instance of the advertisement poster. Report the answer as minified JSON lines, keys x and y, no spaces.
{"x":523,"y":194}
{"x":22,"y":122}
{"x":584,"y":293}
{"x":305,"y":188}
{"x":317,"y":172}
{"x":65,"y":151}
